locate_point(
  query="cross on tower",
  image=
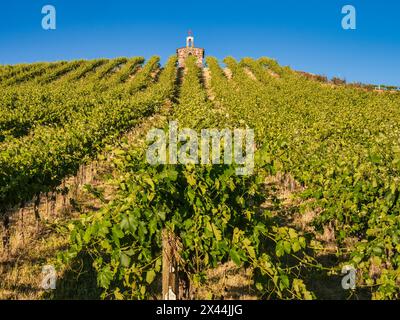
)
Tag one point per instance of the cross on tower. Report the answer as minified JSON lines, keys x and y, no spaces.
{"x":190,"y":33}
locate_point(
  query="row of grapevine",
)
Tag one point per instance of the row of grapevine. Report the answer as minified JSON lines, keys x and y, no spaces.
{"x":210,"y":210}
{"x":22,"y":108}
{"x":39,"y":161}
{"x":85,"y":69}
{"x":9,"y":72}
{"x":32,"y":73}
{"x":60,"y":71}
{"x":342,"y":145}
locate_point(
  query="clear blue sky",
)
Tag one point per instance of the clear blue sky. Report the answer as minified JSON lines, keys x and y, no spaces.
{"x":306,"y":35}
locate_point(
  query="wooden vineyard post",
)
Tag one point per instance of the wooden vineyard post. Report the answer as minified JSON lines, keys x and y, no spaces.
{"x":175,"y":284}
{"x":169,"y":271}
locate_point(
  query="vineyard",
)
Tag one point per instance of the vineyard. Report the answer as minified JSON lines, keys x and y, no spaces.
{"x":324,"y":193}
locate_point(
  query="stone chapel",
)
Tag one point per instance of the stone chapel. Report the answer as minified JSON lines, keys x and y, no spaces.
{"x":190,"y":50}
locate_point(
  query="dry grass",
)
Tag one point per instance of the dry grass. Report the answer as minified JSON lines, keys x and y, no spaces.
{"x":273,"y":74}
{"x":34,"y":244}
{"x":250,"y":73}
{"x":21,"y":273}
{"x":228,"y":73}
{"x":227,"y":282}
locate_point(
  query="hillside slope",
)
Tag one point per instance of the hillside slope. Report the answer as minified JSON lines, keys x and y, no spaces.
{"x":324,"y":192}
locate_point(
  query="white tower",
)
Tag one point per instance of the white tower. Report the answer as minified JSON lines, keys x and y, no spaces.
{"x":190,"y":40}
